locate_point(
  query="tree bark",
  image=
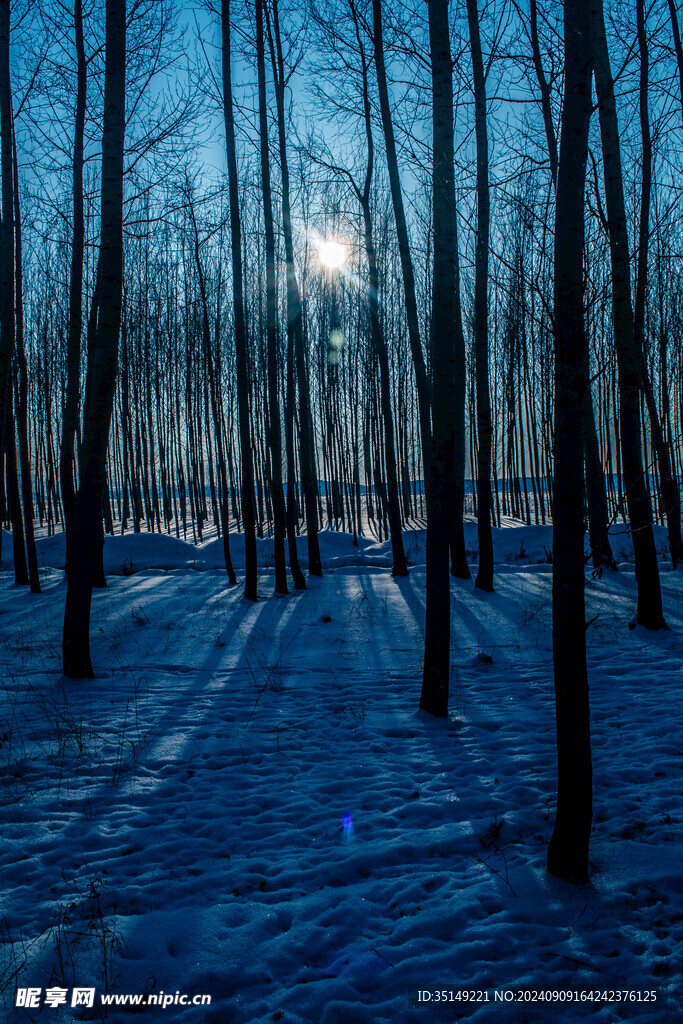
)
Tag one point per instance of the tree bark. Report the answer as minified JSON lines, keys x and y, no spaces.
{"x":568,"y":848}
{"x":7,"y":323}
{"x":73,"y":358}
{"x":421,"y":381}
{"x":484,"y":579}
{"x":670,"y":499}
{"x":22,"y":397}
{"x":274,"y":428}
{"x":629,"y":357}
{"x":598,"y":531}
{"x":544,"y":89}
{"x":678,"y":47}
{"x":296,"y":352}
{"x":399,"y":567}
{"x":21,"y":576}
{"x":102,"y":358}
{"x":459,"y":566}
{"x":241,"y":356}
{"x":224,"y":510}
{"x":435,"y":677}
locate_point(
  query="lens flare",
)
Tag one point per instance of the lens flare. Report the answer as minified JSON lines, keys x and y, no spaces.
{"x":332,"y":254}
{"x":347,"y":824}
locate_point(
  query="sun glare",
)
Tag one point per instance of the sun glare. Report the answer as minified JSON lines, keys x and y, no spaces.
{"x":332,"y":254}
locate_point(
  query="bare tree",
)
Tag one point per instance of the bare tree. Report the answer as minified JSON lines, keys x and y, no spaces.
{"x":296,"y":365}
{"x":214,"y":386}
{"x":102,"y":357}
{"x":601,"y":550}
{"x":274,"y":428}
{"x":678,"y":47}
{"x":22,"y":389}
{"x":484,"y":578}
{"x":241,"y":355}
{"x":401,"y":231}
{"x":568,"y":849}
{"x":73,"y":366}
{"x":629,"y":357}
{"x":7,"y":322}
{"x":435,"y":677}
{"x":399,"y":567}
{"x":668,"y":486}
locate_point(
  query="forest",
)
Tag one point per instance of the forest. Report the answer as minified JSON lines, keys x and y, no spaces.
{"x":341,"y":406}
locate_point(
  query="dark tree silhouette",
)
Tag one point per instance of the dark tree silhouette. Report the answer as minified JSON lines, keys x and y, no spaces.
{"x":629,"y":357}
{"x":295,"y":345}
{"x":421,"y":381}
{"x":241,"y":355}
{"x":601,"y":550}
{"x":7,"y":324}
{"x":668,"y":486}
{"x":215,"y":403}
{"x":678,"y":46}
{"x":435,"y":678}
{"x":544,"y":89}
{"x":73,"y":362}
{"x":102,"y":358}
{"x":568,"y":849}
{"x":13,"y":499}
{"x":274,"y":429}
{"x":22,"y":390}
{"x":484,"y":578}
{"x":399,"y":567}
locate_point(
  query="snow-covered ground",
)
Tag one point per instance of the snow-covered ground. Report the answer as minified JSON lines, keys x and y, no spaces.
{"x":246,"y":802}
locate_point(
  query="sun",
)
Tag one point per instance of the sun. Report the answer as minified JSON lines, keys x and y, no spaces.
{"x":332,"y":254}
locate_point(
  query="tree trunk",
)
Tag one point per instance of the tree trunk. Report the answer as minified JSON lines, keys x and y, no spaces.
{"x":102,"y":358}
{"x":274,"y":428}
{"x":484,"y":578}
{"x":629,"y":357}
{"x":7,"y":324}
{"x":678,"y":48}
{"x":73,"y":357}
{"x":459,"y":566}
{"x":596,"y":496}
{"x":295,"y":347}
{"x":670,"y":499}
{"x":21,"y":576}
{"x":544,"y":89}
{"x":421,"y":381}
{"x":435,"y":678}
{"x":568,"y":848}
{"x":217,"y":424}
{"x":241,"y":357}
{"x":399,"y":567}
{"x":22,"y":398}
{"x":595,"y":482}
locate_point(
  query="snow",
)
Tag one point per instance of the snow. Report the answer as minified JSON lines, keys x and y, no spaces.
{"x":247,"y":803}
{"x":128,"y":553}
